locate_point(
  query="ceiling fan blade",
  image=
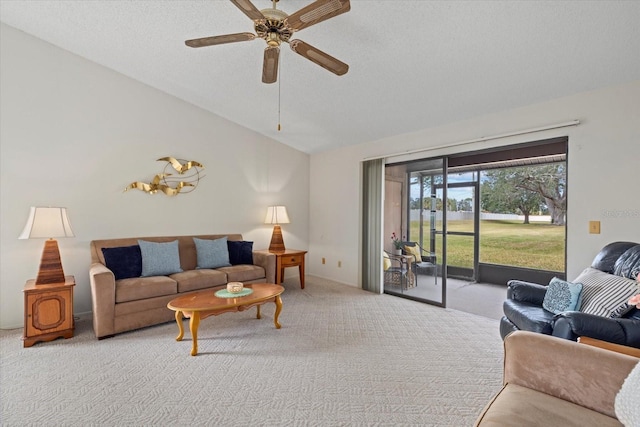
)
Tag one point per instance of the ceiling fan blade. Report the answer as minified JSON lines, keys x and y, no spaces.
{"x":227,"y":38}
{"x":270,"y":64}
{"x":319,"y":57}
{"x":317,"y":11}
{"x":248,"y":9}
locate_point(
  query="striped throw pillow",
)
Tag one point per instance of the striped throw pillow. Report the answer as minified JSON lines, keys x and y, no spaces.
{"x":603,"y":293}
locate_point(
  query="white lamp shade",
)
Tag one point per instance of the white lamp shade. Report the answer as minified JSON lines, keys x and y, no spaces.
{"x":47,"y":223}
{"x":276,"y":215}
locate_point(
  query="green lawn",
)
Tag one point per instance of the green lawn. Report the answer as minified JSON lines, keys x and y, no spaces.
{"x":536,"y":245}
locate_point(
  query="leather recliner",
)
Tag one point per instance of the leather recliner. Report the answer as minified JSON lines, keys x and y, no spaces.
{"x":523,"y":307}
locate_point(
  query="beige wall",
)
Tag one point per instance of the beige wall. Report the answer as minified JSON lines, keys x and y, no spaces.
{"x":74,"y":134}
{"x":603,"y":165}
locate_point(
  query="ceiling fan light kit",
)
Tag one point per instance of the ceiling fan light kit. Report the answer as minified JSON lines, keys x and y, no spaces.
{"x":275,"y":26}
{"x":274,"y":14}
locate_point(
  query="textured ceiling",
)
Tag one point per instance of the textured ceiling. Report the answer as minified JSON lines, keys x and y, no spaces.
{"x":413,"y":64}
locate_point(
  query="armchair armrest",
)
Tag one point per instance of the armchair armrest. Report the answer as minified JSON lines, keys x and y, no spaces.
{"x":427,"y":256}
{"x":585,"y":375}
{"x":431,"y":258}
{"x":526,"y":291}
{"x":400,"y":262}
{"x":573,"y":324}
{"x":103,"y":299}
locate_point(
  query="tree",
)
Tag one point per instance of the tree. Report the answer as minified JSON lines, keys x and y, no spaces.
{"x":465,"y":205}
{"x":550,"y":182}
{"x":500,"y":194}
{"x":527,"y":189}
{"x":414,"y":203}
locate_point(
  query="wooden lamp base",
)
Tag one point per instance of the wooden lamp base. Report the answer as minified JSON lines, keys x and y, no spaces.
{"x":50,"y":271}
{"x":277,"y":243}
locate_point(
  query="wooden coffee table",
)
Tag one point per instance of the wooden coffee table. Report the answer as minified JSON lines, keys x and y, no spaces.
{"x":202,"y":304}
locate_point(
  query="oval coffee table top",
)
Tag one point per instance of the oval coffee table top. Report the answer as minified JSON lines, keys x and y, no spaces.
{"x":207,"y":300}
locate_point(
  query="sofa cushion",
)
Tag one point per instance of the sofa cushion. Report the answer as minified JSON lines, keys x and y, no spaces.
{"x":124,"y":261}
{"x":240,"y":252}
{"x":194,"y":280}
{"x":628,"y":265}
{"x":138,"y":288}
{"x":159,"y":259}
{"x":562,"y":296}
{"x":606,"y":259}
{"x":212,"y":253}
{"x":603,"y":293}
{"x":634,"y":313}
{"x":243,"y":273}
{"x":516,"y":405}
{"x":528,"y":317}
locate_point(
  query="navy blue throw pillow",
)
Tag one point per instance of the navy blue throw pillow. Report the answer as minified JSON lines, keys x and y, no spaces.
{"x":124,"y":261}
{"x":240,"y":252}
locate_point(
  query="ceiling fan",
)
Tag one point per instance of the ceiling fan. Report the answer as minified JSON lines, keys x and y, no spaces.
{"x":275,"y":27}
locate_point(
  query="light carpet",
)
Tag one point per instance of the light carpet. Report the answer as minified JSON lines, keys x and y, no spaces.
{"x":343,"y":357}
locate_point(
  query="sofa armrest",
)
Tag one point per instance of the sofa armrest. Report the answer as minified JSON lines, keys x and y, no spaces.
{"x":573,"y":324}
{"x":526,"y":291}
{"x":103,"y":299}
{"x":585,"y":375}
{"x":267,"y":261}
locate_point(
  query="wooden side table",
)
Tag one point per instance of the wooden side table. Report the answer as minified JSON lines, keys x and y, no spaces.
{"x":610,"y":346}
{"x":48,"y":311}
{"x":290,"y":258}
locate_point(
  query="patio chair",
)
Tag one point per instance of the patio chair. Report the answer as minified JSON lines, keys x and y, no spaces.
{"x":425,"y":261}
{"x":397,"y":271}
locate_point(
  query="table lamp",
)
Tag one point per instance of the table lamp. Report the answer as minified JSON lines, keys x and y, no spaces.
{"x":47,"y":222}
{"x":276,"y":215}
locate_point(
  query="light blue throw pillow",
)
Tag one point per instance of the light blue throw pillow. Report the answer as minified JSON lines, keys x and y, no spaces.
{"x":562,"y":296}
{"x":159,"y":259}
{"x":212,"y":253}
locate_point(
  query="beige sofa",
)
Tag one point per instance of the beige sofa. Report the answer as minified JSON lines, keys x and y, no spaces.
{"x":132,"y":303}
{"x":549,"y":381}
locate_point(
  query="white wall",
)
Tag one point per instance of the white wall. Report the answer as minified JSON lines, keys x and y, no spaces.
{"x":603,"y":164}
{"x":74,"y":134}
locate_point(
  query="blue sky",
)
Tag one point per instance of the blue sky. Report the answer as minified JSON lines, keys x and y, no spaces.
{"x":452,"y":193}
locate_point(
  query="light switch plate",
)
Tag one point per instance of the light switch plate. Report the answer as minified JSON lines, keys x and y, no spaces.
{"x":594,"y":227}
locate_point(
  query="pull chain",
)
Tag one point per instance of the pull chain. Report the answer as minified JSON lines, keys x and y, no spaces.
{"x":279,"y":85}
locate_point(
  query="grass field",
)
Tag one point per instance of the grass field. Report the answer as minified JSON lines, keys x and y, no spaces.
{"x":535,"y":245}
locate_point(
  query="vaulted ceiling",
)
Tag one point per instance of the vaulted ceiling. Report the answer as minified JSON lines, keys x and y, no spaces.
{"x":413,"y":64}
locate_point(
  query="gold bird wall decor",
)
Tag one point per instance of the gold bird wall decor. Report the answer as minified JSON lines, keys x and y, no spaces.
{"x":189,"y":175}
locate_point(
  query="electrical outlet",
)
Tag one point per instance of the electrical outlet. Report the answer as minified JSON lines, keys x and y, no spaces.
{"x":594,"y":227}
{"x":323,"y":260}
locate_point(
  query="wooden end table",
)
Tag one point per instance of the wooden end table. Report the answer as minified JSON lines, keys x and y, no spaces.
{"x":631,"y":351}
{"x":290,"y":258}
{"x":48,"y":311}
{"x":202,"y":304}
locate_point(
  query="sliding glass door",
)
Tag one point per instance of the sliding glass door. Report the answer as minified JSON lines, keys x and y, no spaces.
{"x":462,"y":224}
{"x":420,"y":226}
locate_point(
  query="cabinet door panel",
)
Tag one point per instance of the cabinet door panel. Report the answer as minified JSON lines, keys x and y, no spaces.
{"x":49,"y":312}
